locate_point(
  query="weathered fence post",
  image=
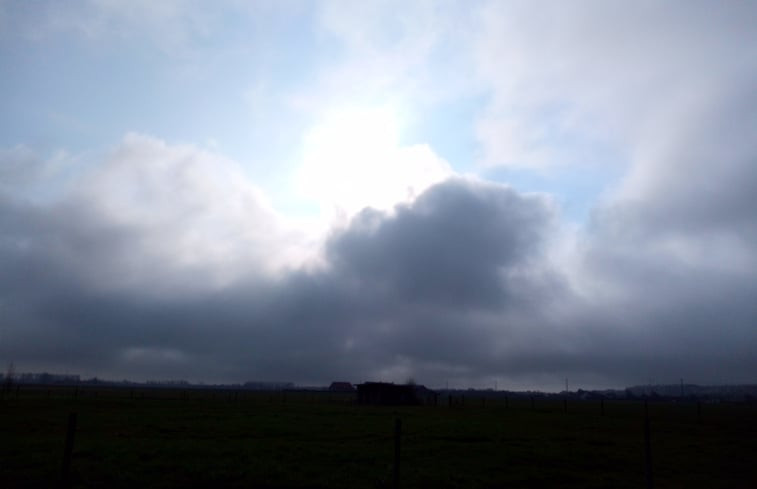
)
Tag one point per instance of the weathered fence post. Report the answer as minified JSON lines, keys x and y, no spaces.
{"x":602,"y":407}
{"x":565,"y":405}
{"x":699,"y":410}
{"x":533,"y":405}
{"x":507,"y":402}
{"x":67,"y":451}
{"x":648,"y":454}
{"x":397,"y":436}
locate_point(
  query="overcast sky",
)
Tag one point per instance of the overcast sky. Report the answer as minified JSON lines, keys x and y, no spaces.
{"x":471,"y":193}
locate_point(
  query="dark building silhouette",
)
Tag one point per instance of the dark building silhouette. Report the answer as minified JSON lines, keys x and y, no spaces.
{"x":341,"y":387}
{"x":387,"y":394}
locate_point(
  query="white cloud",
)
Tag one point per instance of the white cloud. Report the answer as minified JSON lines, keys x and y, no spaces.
{"x":196,"y":208}
{"x":598,"y":71}
{"x":167,"y":217}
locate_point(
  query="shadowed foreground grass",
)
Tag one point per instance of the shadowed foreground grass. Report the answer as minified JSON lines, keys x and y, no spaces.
{"x":200,"y":439}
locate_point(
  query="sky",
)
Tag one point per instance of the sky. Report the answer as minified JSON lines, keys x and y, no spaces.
{"x":462,"y":193}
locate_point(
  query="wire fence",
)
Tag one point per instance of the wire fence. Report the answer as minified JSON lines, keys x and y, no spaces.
{"x":410,"y":429}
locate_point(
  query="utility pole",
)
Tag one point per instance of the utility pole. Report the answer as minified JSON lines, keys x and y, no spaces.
{"x":566,"y":384}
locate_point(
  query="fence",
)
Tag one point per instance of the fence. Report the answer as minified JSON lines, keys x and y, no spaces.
{"x":451,"y":426}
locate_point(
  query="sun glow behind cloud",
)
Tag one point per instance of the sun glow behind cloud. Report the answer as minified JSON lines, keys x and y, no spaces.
{"x":353,"y":158}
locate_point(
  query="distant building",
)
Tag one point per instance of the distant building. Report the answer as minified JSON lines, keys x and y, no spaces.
{"x":387,"y":394}
{"x":341,"y":387}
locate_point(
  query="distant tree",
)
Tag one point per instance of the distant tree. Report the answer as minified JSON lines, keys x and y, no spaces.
{"x":9,"y":375}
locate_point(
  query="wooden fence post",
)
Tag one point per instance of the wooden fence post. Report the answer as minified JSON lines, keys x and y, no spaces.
{"x":67,"y":451}
{"x":602,"y":407}
{"x":397,"y":436}
{"x":648,"y":454}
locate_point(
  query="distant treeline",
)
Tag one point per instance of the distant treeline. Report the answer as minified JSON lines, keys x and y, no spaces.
{"x":668,"y":392}
{"x":40,"y":378}
{"x":45,"y":378}
{"x":739,"y":392}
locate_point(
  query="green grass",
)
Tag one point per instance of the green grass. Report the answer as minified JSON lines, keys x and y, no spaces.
{"x":174,"y":438}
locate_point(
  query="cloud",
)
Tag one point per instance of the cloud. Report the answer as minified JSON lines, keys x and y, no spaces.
{"x":456,"y":244}
{"x":566,"y":79}
{"x":100,"y":280}
{"x":672,"y":253}
{"x":165,"y":260}
{"x":414,"y":55}
{"x":154,"y":214}
{"x":121,"y":261}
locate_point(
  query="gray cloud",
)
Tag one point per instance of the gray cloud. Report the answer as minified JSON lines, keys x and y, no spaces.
{"x":455,"y":286}
{"x":456,"y":245}
{"x":418,"y":287}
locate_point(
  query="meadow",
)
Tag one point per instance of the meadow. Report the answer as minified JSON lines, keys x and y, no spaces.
{"x":201,"y":438}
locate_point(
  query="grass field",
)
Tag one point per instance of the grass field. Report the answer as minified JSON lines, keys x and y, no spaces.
{"x":175,"y":438}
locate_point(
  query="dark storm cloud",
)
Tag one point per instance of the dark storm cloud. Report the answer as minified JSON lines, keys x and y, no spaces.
{"x":455,"y":245}
{"x":398,"y":289}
